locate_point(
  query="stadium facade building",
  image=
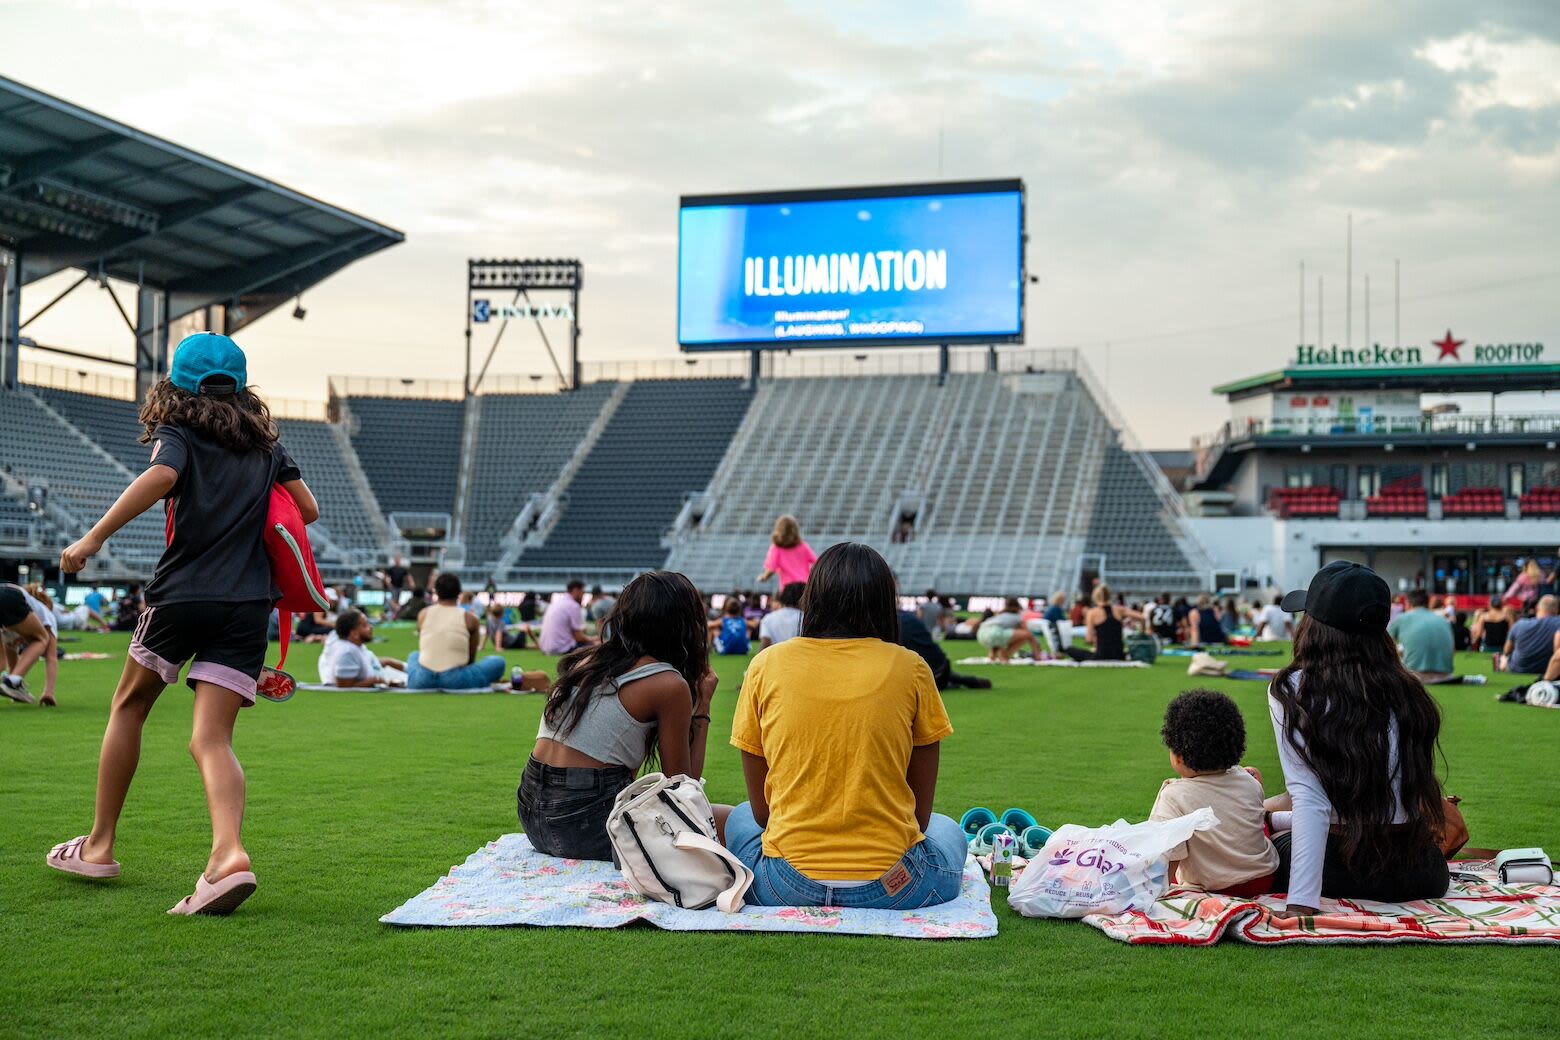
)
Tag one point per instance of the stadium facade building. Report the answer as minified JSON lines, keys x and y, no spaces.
{"x":1341,"y":455}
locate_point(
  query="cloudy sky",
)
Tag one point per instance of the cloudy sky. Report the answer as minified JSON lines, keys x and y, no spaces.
{"x":1181,"y":158}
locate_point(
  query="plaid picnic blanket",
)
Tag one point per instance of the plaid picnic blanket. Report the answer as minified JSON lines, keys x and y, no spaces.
{"x":1482,"y":912}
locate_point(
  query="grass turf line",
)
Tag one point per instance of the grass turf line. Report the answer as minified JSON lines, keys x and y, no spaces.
{"x":359,"y":800}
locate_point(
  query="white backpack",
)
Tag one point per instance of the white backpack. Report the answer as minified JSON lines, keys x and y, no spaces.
{"x":663,"y":832}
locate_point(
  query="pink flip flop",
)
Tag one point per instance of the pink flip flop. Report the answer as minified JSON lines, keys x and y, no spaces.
{"x":217,"y":898}
{"x":66,"y":857}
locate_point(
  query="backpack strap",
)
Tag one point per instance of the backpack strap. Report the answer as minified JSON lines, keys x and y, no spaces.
{"x":283,"y":632}
{"x":729,"y":901}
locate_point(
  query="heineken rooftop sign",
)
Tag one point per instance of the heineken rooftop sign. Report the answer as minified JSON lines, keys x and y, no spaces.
{"x":1448,"y":349}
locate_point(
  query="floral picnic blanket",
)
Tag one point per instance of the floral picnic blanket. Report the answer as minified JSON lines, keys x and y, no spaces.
{"x":1482,"y":912}
{"x":507,"y":882}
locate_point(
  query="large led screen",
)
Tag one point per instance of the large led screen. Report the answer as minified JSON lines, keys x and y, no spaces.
{"x":937,"y":263}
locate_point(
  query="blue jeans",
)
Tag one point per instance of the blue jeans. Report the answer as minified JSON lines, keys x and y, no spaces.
{"x":935,"y":866}
{"x":476,"y":676}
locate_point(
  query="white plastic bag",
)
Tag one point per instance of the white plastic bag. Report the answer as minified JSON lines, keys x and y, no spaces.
{"x":1103,"y":870}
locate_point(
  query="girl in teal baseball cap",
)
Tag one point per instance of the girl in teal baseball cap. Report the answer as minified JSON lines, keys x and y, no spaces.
{"x":215,"y":457}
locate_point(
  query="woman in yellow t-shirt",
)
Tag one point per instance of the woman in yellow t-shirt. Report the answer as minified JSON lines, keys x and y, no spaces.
{"x":839,"y":730}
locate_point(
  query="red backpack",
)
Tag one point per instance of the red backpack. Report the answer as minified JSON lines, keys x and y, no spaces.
{"x":292,"y":563}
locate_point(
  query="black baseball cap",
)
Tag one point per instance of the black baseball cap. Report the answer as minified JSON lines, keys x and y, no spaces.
{"x":1347,"y":596}
{"x":13,"y":606}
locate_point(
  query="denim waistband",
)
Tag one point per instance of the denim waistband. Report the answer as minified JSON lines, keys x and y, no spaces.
{"x":580,"y":778}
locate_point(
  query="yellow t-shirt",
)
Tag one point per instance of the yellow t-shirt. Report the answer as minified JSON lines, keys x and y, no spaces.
{"x":836,"y":720}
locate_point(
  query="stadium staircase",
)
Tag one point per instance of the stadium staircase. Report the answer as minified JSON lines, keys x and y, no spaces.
{"x":660,"y":444}
{"x":1009,"y":478}
{"x":522,"y":444}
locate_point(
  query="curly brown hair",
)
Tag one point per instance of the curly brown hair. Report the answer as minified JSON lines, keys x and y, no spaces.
{"x":239,"y":421}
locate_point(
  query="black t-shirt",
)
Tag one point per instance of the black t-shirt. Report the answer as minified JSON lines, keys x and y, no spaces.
{"x":914,"y":635}
{"x":395,"y":578}
{"x":215,"y":519}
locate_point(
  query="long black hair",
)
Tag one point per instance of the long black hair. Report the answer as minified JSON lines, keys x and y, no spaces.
{"x":851,"y":595}
{"x":1340,"y":695}
{"x":238,"y":420}
{"x":659,"y":614}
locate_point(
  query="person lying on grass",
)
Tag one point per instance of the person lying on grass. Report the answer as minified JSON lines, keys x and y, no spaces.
{"x":1357,"y":737}
{"x":1207,"y":737}
{"x":839,"y":731}
{"x":640,"y":697}
{"x":28,"y":632}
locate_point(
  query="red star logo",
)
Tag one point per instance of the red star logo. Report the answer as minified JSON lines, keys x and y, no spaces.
{"x":1448,"y":347}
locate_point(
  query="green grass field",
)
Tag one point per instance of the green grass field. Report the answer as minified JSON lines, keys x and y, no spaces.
{"x":359,"y":800}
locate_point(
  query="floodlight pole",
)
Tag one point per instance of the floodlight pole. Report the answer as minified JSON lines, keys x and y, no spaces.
{"x":942,"y":364}
{"x":466,"y":386}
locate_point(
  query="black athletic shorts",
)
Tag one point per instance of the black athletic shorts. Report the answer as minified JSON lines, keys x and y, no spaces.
{"x":227,"y":641}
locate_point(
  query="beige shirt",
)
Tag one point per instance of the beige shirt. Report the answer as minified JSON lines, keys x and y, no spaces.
{"x":1231,"y":853}
{"x":444,"y":641}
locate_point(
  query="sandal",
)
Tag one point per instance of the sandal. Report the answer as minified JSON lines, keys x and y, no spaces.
{"x":66,"y":857}
{"x":217,"y":898}
{"x":1017,"y":821}
{"x":974,"y":819}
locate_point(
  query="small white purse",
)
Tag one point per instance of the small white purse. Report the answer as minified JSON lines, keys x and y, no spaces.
{"x":663,"y":832}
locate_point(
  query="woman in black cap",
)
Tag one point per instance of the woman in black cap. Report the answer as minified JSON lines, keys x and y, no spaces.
{"x":1357,"y":740}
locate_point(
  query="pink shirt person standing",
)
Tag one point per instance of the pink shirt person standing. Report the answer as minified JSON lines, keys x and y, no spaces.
{"x":788,"y":556}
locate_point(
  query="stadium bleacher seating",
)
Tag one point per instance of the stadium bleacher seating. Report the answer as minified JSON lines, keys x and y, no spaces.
{"x":1000,"y":471}
{"x":83,"y":481}
{"x":1540,"y":501}
{"x":1321,"y":501}
{"x":410,"y":450}
{"x":663,"y":441}
{"x":1129,"y":529}
{"x":110,"y":422}
{"x":350,"y":520}
{"x":523,"y":442}
{"x":1475,"y":501}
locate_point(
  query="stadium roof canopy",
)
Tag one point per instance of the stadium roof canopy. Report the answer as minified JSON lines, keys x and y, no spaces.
{"x":79,"y":190}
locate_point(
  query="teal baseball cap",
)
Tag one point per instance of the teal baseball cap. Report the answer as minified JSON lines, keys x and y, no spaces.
{"x":203,"y":355}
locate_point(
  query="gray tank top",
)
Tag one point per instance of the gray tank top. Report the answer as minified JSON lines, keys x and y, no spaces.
{"x":607,"y":732}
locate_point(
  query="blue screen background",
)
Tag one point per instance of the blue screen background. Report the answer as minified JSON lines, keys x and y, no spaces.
{"x":980,"y":232}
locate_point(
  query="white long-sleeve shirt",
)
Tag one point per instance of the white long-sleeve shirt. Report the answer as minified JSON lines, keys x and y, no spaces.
{"x":1313,"y":810}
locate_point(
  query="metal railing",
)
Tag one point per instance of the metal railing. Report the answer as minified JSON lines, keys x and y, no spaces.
{"x":1460,"y":424}
{"x":97,"y":384}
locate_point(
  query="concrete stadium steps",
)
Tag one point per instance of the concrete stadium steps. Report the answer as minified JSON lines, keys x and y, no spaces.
{"x":37,"y":446}
{"x":1005,"y":472}
{"x":410,"y":450}
{"x":350,"y":521}
{"x":523,"y":442}
{"x":662,"y":443}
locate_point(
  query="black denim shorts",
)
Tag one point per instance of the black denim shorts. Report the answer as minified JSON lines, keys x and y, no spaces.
{"x":564,"y":811}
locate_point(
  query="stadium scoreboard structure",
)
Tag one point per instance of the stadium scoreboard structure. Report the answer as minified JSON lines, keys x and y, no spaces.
{"x":897,"y":265}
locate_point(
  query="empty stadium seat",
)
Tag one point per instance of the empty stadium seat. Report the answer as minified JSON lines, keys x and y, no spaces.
{"x":523,"y":442}
{"x":663,"y":441}
{"x":409,"y":449}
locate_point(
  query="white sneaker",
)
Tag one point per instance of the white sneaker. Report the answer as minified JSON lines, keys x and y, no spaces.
{"x":1475,"y":680}
{"x":14,"y":687}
